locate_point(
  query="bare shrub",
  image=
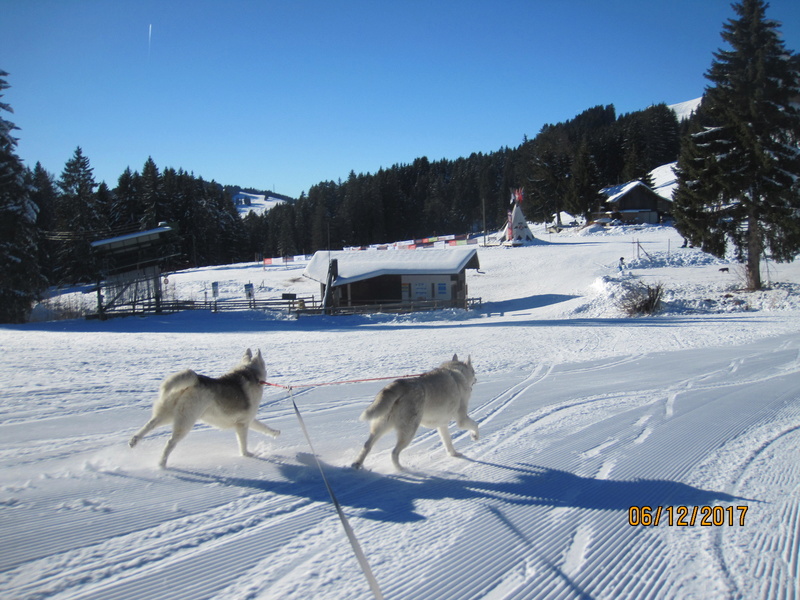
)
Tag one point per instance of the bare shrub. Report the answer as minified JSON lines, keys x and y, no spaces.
{"x":642,"y":299}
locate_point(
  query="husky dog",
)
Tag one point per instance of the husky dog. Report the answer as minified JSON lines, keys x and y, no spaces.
{"x":432,"y":399}
{"x":228,"y":402}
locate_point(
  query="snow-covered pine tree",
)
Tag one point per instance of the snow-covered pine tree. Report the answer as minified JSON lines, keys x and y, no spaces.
{"x":738,"y":170}
{"x":20,"y":278}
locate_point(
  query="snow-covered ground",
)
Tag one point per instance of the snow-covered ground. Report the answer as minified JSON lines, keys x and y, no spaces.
{"x":584,"y":413}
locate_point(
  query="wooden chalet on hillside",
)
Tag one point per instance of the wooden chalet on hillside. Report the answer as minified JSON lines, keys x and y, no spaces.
{"x":632,"y":202}
{"x":398,"y":280}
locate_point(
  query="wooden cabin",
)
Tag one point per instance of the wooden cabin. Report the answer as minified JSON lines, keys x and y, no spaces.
{"x":400,"y":279}
{"x":633,"y":202}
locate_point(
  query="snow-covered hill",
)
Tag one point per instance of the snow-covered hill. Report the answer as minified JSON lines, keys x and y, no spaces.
{"x":684,"y":110}
{"x":591,"y":421}
{"x":665,"y":182}
{"x":255,"y":203}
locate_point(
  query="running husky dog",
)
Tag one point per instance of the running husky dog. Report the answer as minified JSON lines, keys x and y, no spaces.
{"x":228,"y":402}
{"x":432,"y":399}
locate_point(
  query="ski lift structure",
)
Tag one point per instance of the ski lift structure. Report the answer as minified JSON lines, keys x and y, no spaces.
{"x":131,"y":268}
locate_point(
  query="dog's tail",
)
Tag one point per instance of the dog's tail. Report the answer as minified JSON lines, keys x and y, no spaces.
{"x":177,"y":382}
{"x":385,"y":400}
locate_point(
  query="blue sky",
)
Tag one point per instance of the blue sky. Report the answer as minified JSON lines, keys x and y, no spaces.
{"x":281,"y":95}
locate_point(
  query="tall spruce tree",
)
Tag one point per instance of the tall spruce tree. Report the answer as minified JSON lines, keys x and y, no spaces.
{"x":79,"y":219}
{"x":151,"y":198}
{"x":738,"y":169}
{"x":44,"y":195}
{"x":126,"y":211}
{"x":583,"y":184}
{"x":20,"y":279}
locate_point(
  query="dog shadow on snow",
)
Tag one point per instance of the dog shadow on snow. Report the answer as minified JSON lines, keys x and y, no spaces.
{"x":393,"y":497}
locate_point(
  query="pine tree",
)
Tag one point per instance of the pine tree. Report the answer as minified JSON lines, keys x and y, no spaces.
{"x":549,"y":178}
{"x":583,"y":184}
{"x":126,"y":212}
{"x":650,"y":139}
{"x":104,"y":200}
{"x":738,"y":172}
{"x":230,"y":229}
{"x":663,"y":135}
{"x":199,"y":222}
{"x":20,"y":279}
{"x":150,"y":197}
{"x":79,"y":220}
{"x":44,"y":195}
{"x":635,"y":159}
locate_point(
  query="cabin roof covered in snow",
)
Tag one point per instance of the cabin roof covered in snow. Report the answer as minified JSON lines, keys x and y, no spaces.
{"x":615,"y":192}
{"x":359,"y":265}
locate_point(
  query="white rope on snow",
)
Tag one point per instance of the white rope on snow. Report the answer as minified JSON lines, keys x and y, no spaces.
{"x":360,"y":556}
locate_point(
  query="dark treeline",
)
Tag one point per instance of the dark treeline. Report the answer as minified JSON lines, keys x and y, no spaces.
{"x":74,"y":211}
{"x":561,"y":169}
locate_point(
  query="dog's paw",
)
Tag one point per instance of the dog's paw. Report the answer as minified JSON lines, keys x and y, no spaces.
{"x":133,"y":441}
{"x":356,"y":465}
{"x":248,"y":454}
{"x":276,"y":432}
{"x":474,"y":435}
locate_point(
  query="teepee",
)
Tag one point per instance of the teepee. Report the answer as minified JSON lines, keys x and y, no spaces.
{"x":517,"y":232}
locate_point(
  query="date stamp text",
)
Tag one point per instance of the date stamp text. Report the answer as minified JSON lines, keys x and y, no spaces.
{"x":687,"y":516}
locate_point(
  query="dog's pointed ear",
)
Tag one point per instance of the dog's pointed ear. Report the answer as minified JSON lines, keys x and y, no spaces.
{"x":258,"y":354}
{"x":455,"y":357}
{"x":469,"y":360}
{"x":247,"y":355}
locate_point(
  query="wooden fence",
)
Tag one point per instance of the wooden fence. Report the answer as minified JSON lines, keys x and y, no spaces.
{"x":298,"y":305}
{"x":295,"y":304}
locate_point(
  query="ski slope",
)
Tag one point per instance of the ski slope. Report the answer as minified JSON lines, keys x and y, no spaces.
{"x":584,"y":413}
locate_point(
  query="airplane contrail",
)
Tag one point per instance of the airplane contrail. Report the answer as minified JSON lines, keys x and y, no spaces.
{"x":149,"y":39}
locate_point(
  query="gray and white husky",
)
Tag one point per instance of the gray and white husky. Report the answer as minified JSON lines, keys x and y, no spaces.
{"x":432,"y":399}
{"x":230,"y":401}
